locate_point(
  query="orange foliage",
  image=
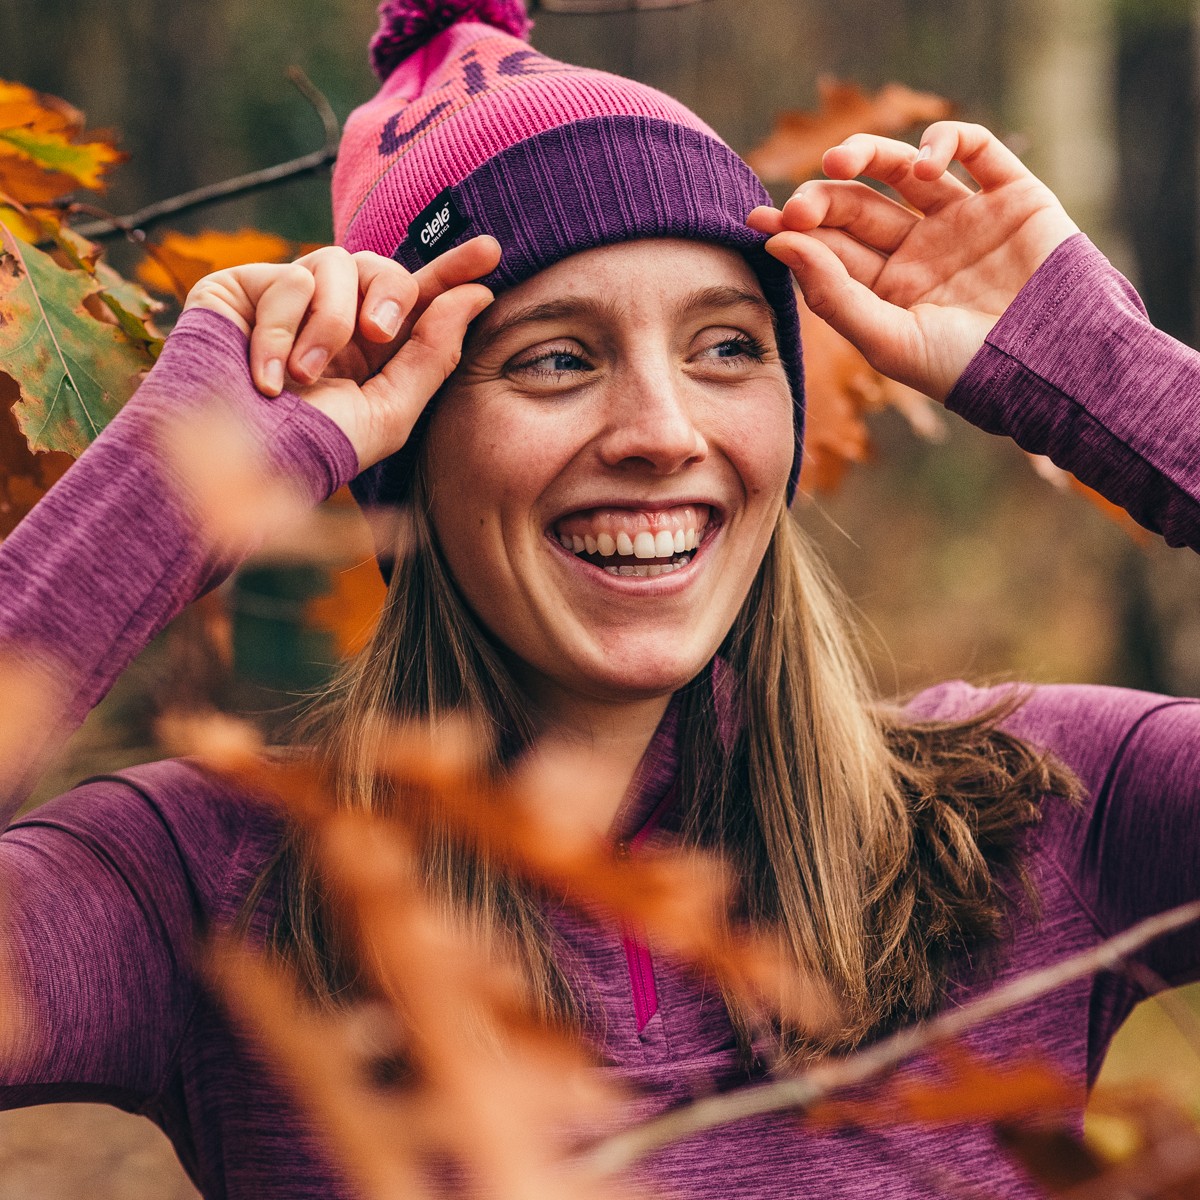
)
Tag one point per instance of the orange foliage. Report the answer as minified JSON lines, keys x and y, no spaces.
{"x":42,"y":156}
{"x":792,"y":152}
{"x":180,"y":261}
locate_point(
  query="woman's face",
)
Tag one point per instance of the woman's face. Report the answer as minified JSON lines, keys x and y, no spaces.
{"x":608,"y":463}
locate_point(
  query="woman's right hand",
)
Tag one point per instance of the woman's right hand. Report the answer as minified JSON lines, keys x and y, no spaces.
{"x":365,"y":341}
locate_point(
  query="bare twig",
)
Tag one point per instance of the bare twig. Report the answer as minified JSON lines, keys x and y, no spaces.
{"x":110,"y":226}
{"x":621,"y":1151}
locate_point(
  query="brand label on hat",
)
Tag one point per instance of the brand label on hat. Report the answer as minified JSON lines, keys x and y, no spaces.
{"x":434,"y":230}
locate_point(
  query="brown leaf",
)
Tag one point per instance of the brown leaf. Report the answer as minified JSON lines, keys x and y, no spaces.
{"x":350,"y":610}
{"x":967,"y":1089}
{"x":369,"y":1132}
{"x":793,"y":150}
{"x":841,"y":387}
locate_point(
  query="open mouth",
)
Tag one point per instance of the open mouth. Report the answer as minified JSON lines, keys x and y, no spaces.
{"x":641,"y":544}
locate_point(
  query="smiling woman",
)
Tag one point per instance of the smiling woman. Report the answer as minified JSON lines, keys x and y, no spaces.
{"x":561,"y":331}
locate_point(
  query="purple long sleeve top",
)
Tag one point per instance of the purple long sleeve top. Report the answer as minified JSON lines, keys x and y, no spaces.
{"x":108,"y":886}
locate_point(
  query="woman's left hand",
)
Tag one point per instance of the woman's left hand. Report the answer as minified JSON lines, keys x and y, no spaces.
{"x":917,"y":288}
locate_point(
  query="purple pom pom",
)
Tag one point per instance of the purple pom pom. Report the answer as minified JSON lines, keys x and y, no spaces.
{"x":406,"y":25}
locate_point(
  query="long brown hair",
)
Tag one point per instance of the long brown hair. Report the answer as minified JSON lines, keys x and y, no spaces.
{"x":885,"y":848}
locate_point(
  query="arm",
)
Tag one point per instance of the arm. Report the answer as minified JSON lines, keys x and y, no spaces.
{"x":112,"y":553}
{"x":1075,"y":370}
{"x":116,"y":549}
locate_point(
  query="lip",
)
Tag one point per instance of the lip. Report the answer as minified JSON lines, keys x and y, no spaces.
{"x":644,"y":504}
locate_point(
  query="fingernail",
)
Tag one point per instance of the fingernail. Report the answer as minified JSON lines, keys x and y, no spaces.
{"x":273,"y":375}
{"x":924,"y":153}
{"x":387,"y":316}
{"x":313,"y":363}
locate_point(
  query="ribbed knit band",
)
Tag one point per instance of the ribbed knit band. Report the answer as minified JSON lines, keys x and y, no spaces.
{"x":594,"y":183}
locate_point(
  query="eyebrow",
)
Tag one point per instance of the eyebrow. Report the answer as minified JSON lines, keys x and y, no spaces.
{"x":704,"y":299}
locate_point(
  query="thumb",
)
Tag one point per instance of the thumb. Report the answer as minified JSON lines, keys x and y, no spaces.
{"x":879,"y":330}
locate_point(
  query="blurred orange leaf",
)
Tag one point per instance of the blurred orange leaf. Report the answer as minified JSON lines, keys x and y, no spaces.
{"x":967,"y":1089}
{"x":350,"y":610}
{"x":793,"y":150}
{"x":181,"y":260}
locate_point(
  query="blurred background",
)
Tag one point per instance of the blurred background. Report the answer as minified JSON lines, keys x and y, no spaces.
{"x":962,"y":561}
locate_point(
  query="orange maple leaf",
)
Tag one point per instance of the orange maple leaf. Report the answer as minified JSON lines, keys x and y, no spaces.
{"x":42,"y":156}
{"x":181,"y":260}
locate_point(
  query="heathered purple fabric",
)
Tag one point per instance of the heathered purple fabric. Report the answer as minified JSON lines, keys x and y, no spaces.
{"x":109,"y":884}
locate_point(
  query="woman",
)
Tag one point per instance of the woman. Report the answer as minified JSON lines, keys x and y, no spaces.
{"x":603,"y":558}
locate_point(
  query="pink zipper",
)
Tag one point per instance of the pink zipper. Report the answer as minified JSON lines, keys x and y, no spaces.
{"x":637,"y":953}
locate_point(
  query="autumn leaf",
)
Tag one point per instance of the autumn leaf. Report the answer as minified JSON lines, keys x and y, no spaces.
{"x":966,"y":1089}
{"x":74,"y":371}
{"x":841,"y":388}
{"x":350,"y":610}
{"x":180,"y":260}
{"x":792,"y":152}
{"x":42,"y":154}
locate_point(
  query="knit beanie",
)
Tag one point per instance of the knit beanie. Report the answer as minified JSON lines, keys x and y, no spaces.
{"x":474,"y":131}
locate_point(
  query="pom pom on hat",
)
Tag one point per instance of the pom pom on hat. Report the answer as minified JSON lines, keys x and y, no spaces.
{"x":407,"y":25}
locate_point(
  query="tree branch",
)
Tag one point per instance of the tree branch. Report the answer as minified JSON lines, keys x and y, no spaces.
{"x":109,"y":226}
{"x":622,"y":1150}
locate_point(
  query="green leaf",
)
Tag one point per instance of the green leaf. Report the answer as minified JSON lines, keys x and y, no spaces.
{"x":74,"y":370}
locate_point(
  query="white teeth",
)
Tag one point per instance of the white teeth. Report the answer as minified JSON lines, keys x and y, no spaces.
{"x":590,"y":544}
{"x":648,"y":570}
{"x":679,"y":542}
{"x":643,"y":545}
{"x":606,"y":545}
{"x":690,"y":542}
{"x":624,"y":545}
{"x":577,"y":544}
{"x":664,"y":544}
{"x":567,"y":544}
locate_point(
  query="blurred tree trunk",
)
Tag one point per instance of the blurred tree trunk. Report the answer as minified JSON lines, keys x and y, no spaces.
{"x":1156,"y":140}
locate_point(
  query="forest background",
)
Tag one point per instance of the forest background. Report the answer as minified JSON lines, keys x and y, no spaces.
{"x":963,"y":561}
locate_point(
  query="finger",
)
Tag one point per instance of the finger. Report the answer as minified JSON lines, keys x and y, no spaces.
{"x":389,"y":293}
{"x":765,"y":219}
{"x":860,"y":262}
{"x":878,"y":329}
{"x":987,"y":159}
{"x":410,"y":379}
{"x":892,"y":162}
{"x":279,"y":310}
{"x":464,"y":264}
{"x":330,"y":319}
{"x":873,"y":219}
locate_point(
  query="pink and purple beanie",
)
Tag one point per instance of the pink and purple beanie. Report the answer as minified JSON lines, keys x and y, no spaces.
{"x":476,"y":132}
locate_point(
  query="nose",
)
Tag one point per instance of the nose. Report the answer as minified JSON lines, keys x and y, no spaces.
{"x":652,"y":421}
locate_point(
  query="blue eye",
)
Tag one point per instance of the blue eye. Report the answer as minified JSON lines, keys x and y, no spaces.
{"x":739,"y":347}
{"x":557,"y":362}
